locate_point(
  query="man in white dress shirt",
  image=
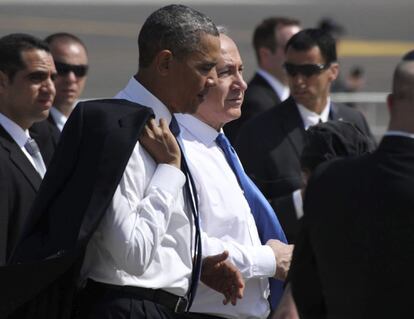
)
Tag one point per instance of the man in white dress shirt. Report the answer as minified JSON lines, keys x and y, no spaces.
{"x":141,"y":254}
{"x":226,"y":218}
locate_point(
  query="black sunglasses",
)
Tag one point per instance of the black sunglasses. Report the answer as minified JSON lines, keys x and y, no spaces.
{"x":305,"y":69}
{"x":64,"y":69}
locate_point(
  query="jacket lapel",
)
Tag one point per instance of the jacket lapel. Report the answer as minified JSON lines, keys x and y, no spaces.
{"x":20,"y":159}
{"x":293,"y":126}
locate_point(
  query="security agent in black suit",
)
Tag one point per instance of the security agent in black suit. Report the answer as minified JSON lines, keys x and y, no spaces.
{"x":26,"y":95}
{"x":354,"y":255}
{"x":268,"y":87}
{"x":270,"y":145}
{"x":98,"y":143}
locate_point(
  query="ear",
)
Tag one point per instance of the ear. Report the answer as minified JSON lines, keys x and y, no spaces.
{"x":334,"y":69}
{"x":163,"y":62}
{"x":4,"y":80}
{"x":264,"y":54}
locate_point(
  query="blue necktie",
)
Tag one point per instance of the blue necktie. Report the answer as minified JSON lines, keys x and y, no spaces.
{"x":192,"y":195}
{"x":266,"y":220}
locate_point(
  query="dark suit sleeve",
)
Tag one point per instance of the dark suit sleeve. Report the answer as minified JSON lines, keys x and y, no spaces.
{"x":304,"y":278}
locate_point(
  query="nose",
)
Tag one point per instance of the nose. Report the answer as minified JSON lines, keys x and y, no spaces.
{"x":212,"y":78}
{"x":70,"y":76}
{"x":48,"y":86}
{"x":297,"y":78}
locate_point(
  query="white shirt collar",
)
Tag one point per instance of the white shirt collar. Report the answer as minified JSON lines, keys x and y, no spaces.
{"x":136,"y":92}
{"x":203,"y":132}
{"x":399,"y":133}
{"x":281,"y":90}
{"x":19,"y":135}
{"x":59,"y":118}
{"x":311,"y":118}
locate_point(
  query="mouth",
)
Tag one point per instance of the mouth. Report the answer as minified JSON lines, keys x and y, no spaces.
{"x":236,"y":101}
{"x":202,"y":95}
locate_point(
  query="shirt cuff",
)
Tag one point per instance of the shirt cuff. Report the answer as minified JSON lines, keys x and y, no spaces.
{"x":168,"y":178}
{"x":267,"y":265}
{"x":298,"y":203}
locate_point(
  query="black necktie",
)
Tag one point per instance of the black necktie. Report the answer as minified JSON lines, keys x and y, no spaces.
{"x":192,"y":196}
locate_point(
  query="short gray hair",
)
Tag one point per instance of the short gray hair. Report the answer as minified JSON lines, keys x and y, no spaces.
{"x":177,"y":28}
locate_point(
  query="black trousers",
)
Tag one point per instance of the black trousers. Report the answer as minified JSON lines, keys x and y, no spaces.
{"x":96,"y":303}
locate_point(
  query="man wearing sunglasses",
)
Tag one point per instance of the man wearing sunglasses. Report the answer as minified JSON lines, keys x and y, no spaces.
{"x":270,"y":145}
{"x":71,"y":61}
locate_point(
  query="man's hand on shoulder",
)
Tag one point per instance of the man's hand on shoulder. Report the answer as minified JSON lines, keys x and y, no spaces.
{"x":160,"y":143}
{"x":221,"y":275}
{"x":283,"y":255}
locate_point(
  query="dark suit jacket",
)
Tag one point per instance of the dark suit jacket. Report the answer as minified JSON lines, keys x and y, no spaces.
{"x":19,"y":182}
{"x":259,"y":97}
{"x":50,"y":130}
{"x":270,"y":146}
{"x":354,"y":257}
{"x":89,"y":161}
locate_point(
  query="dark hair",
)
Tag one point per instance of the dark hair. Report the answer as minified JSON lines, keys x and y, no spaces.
{"x":333,"y":139}
{"x":265,"y":33}
{"x":64,"y":37}
{"x":409,"y":56}
{"x":177,"y":28}
{"x":11,"y":48}
{"x":307,"y":39}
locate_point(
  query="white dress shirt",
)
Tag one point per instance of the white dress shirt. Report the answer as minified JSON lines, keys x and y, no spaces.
{"x":281,"y":90}
{"x":226,"y":223}
{"x":19,"y":135}
{"x":146,"y":235}
{"x":310,"y":118}
{"x":59,"y":118}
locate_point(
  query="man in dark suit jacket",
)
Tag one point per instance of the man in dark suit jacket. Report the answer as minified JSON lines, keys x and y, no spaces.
{"x":26,"y":95}
{"x":270,"y":145}
{"x":354,"y":255}
{"x":268,"y":87}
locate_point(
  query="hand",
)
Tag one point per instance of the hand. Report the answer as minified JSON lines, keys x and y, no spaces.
{"x":287,"y":307}
{"x":222,"y":276}
{"x":283,"y":255}
{"x":160,"y":143}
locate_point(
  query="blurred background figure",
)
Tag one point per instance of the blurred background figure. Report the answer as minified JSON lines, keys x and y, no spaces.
{"x":269,"y":85}
{"x":71,"y":60}
{"x":337,"y":31}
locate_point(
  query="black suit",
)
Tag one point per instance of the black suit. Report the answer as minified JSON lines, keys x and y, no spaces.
{"x":354,"y":256}
{"x":88,"y":163}
{"x":270,"y":146}
{"x":259,"y":97}
{"x":19,"y":182}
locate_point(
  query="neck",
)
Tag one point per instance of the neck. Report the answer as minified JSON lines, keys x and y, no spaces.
{"x":404,"y":125}
{"x":154,"y":85}
{"x":65,"y":109}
